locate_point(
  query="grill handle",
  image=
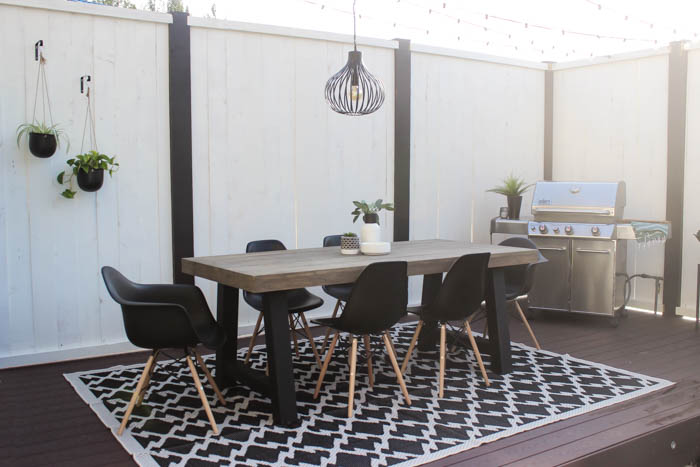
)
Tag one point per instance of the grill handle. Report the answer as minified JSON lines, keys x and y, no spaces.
{"x":583,"y":250}
{"x":605,"y":212}
{"x":549,"y":248}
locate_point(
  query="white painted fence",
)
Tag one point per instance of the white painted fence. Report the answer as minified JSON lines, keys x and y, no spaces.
{"x":51,"y":295}
{"x":610,"y":125}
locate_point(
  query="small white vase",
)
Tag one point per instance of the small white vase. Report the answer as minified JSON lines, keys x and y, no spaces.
{"x":370,"y":233}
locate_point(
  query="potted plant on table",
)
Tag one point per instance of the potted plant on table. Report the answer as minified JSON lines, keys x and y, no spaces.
{"x":349,"y":243}
{"x":370,"y":215}
{"x":513,"y":189}
{"x":89,"y":169}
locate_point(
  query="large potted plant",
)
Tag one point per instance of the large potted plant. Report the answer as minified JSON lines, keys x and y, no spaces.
{"x":371,"y":231}
{"x":89,"y":169}
{"x":513,"y":189}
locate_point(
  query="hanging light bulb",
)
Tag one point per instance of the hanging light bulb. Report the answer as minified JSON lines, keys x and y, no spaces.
{"x":354,"y":90}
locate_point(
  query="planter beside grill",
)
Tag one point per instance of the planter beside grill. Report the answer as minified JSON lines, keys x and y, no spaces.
{"x":514,"y":204}
{"x":42,"y":145}
{"x":91,"y":180}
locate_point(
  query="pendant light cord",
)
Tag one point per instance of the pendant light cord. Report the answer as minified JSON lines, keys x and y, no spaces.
{"x":354,"y":25}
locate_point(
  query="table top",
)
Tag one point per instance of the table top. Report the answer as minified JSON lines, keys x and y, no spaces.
{"x":290,"y":269}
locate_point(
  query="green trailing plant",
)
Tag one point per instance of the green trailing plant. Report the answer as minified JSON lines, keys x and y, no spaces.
{"x":91,"y":160}
{"x":512,"y":186}
{"x":25,"y":129}
{"x":349,"y":234}
{"x":364,"y":208}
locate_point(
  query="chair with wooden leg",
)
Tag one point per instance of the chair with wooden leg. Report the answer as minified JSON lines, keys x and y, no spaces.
{"x":459,"y":297}
{"x":298,"y":302}
{"x":166,"y":316}
{"x":377,"y":302}
{"x":341,"y":292}
{"x":519,"y":280}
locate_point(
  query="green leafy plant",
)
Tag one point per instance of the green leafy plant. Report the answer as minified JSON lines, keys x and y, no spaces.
{"x":349,"y":234}
{"x":512,"y":186}
{"x":26,"y":128}
{"x":364,"y":208}
{"x":91,"y":160}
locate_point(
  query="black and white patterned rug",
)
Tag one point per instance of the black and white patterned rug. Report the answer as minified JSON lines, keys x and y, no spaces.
{"x":171,"y":428}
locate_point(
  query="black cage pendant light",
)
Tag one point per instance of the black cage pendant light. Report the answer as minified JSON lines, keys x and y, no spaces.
{"x":353,"y":90}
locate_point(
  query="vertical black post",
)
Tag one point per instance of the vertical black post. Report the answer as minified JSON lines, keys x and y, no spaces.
{"x":181,"y":146}
{"x":677,"y":83}
{"x":402,"y":139}
{"x":548,"y":121}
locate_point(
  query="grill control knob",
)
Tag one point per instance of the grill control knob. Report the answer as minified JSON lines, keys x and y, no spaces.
{"x":532,"y":228}
{"x":543,"y":229}
{"x":556,"y":229}
{"x":595,"y":230}
{"x":569,"y":230}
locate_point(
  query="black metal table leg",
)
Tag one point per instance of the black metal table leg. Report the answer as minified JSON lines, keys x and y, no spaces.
{"x":429,"y":334}
{"x":279,"y":355}
{"x":497,"y":318}
{"x":227,"y":316}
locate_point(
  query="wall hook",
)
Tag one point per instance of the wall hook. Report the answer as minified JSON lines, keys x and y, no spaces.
{"x":39,"y":50}
{"x":85,"y":79}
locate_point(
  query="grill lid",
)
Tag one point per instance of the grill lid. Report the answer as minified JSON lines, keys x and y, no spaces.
{"x":579,"y":201}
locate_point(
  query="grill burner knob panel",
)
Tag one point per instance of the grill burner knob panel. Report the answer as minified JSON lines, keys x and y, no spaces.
{"x":595,"y":230}
{"x":543,"y":229}
{"x":569,"y":230}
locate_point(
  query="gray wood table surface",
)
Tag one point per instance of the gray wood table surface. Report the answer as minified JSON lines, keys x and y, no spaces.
{"x":272,"y":273}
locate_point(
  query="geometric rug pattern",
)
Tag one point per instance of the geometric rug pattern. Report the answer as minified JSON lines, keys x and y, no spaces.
{"x":171,"y":428}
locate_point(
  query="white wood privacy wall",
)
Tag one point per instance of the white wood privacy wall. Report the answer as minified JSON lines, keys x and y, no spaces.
{"x":270,"y":159}
{"x":609,"y":125}
{"x":51,"y":294}
{"x":472,"y":124}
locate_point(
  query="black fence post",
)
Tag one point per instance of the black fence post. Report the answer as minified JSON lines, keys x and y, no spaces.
{"x":402,"y":139}
{"x":673,"y":260}
{"x":181,"y":146}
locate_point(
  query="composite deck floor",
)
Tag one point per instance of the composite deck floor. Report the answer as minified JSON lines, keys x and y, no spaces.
{"x":44,"y":422}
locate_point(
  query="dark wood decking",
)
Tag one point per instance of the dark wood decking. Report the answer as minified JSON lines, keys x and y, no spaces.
{"x":44,"y":422}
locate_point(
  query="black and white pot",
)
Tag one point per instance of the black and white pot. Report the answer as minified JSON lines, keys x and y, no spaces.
{"x":42,"y":145}
{"x":349,"y":245}
{"x":91,"y":180}
{"x":514,"y":203}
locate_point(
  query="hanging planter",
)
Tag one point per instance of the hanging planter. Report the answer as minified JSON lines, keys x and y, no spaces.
{"x":44,"y":138}
{"x":88,"y":168}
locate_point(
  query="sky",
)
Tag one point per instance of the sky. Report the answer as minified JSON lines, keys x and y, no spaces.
{"x":539,"y":30}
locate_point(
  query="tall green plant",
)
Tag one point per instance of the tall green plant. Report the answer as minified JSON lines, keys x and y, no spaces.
{"x":512,"y":186}
{"x":364,"y":208}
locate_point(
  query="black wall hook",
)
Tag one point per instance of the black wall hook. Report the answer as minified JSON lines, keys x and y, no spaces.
{"x":39,"y":44}
{"x":83,"y":80}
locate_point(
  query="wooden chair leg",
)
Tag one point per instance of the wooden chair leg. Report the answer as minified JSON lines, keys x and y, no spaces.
{"x":395,"y":364}
{"x":328,"y":330}
{"x":293,"y":329}
{"x":370,"y":371}
{"x":329,"y":355}
{"x":137,"y":392}
{"x":311,"y":339}
{"x":411,"y":346}
{"x":256,"y":331}
{"x":200,"y":360}
{"x":527,"y":325}
{"x":202,"y":396}
{"x":441,"y":385}
{"x":146,"y":383}
{"x":353,"y":365}
{"x":477,"y":353}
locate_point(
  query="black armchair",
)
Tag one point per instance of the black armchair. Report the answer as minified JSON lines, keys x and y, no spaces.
{"x":161,"y":316}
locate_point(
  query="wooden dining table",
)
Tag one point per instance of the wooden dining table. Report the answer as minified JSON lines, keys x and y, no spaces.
{"x":273,"y":273}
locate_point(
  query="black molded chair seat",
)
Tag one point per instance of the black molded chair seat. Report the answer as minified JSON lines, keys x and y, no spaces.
{"x":339,"y":291}
{"x":298,"y":301}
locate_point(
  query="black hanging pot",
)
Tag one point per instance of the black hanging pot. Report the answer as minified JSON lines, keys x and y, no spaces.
{"x":91,"y":180}
{"x":514,"y":203}
{"x":42,"y":144}
{"x":371,"y":218}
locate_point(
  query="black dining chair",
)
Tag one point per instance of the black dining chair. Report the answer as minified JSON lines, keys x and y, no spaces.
{"x":459,"y":297}
{"x":165,"y":316}
{"x":519,"y":279}
{"x":341,"y":292}
{"x":376,"y":303}
{"x":298,"y":302}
